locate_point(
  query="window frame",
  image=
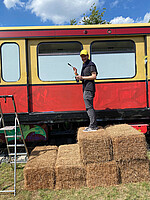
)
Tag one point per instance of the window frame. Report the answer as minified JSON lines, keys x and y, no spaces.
{"x":56,"y":42}
{"x":104,"y":52}
{"x":19,"y":67}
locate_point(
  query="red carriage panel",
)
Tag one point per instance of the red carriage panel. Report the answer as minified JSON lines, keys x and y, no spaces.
{"x":49,"y":98}
{"x":20,"y":96}
{"x":120,"y":95}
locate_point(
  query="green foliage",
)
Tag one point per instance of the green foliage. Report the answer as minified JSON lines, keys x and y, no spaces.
{"x":73,"y":22}
{"x":95,"y":17}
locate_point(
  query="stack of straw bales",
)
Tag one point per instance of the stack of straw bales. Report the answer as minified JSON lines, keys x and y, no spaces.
{"x":39,"y":172}
{"x":117,"y":154}
{"x":130,"y":153}
{"x":70,"y":172}
{"x":96,"y":154}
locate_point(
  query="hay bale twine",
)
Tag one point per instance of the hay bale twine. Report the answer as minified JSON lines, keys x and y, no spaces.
{"x":128,"y":143}
{"x":70,"y":172}
{"x":102,"y":174}
{"x":134,"y":171}
{"x":94,"y":146}
{"x":39,"y":171}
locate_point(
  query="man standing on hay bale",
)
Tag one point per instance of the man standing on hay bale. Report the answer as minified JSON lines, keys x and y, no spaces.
{"x":88,"y":75}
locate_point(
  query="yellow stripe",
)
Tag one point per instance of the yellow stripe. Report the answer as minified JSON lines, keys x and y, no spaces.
{"x":77,"y":26}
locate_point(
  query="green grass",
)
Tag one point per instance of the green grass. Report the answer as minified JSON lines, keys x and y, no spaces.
{"x":132,"y":191}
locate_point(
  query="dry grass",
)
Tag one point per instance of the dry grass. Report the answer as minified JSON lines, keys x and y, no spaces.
{"x":128,"y":143}
{"x":134,"y":171}
{"x":130,"y":191}
{"x":39,"y":172}
{"x":102,"y":174}
{"x":110,"y":156}
{"x":70,"y":172}
{"x":95,"y":147}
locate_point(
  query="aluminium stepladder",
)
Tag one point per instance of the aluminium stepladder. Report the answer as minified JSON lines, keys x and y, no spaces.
{"x":16,"y":137}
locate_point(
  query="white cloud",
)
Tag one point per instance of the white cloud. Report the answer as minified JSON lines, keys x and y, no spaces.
{"x":13,"y":3}
{"x":114,"y":3}
{"x":122,"y":20}
{"x":57,"y":11}
{"x":145,"y":20}
{"x":60,"y":11}
{"x":128,"y":20}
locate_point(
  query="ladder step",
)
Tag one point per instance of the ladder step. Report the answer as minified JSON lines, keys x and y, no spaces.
{"x":7,"y":128}
{"x":12,"y":136}
{"x":18,"y":154}
{"x":18,"y":145}
{"x":7,"y":191}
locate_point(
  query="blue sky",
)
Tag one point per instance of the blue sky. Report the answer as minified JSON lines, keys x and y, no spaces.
{"x":59,"y":12}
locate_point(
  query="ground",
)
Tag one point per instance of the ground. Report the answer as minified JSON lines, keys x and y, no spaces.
{"x":132,"y":191}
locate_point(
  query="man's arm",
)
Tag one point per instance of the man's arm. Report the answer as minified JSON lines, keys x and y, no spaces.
{"x":90,"y":78}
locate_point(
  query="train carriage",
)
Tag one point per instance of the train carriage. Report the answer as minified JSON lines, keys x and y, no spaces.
{"x":34,"y":68}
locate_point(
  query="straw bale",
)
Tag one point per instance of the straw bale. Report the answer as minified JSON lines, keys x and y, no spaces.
{"x":123,"y":130}
{"x":94,"y":146}
{"x":39,"y":150}
{"x":128,"y":143}
{"x":134,"y":171}
{"x":102,"y":174}
{"x":39,"y":171}
{"x":70,"y":172}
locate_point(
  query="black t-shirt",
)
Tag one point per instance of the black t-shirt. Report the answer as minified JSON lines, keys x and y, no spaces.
{"x":87,"y":69}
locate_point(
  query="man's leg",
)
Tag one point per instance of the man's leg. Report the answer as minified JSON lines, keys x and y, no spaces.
{"x":92,"y":117}
{"x":88,"y":99}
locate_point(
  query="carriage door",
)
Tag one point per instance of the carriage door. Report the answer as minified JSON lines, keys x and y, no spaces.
{"x":13,"y":75}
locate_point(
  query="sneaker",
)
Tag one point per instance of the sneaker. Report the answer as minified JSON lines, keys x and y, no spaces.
{"x":88,"y":129}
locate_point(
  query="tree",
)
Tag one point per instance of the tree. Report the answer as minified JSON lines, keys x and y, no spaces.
{"x":73,"y":22}
{"x":95,"y":17}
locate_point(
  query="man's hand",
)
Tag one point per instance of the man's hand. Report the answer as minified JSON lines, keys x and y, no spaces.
{"x":78,"y":77}
{"x":75,"y":70}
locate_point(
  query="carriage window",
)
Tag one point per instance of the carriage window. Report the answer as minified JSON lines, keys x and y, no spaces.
{"x":53,"y":59}
{"x":114,"y":59}
{"x":10,"y":62}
